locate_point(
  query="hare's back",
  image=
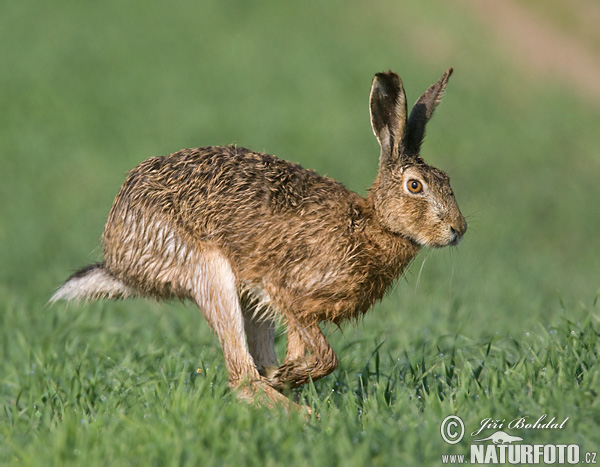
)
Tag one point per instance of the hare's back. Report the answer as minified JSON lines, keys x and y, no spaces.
{"x":215,"y":182}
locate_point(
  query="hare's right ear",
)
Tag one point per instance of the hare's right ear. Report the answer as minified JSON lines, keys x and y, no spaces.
{"x":388,"y":115}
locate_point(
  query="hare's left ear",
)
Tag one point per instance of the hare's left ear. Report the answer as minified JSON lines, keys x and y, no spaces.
{"x":387,"y":104}
{"x":422,"y":112}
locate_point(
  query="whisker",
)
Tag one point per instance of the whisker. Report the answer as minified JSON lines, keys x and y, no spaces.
{"x":421,"y":270}
{"x":452,"y":252}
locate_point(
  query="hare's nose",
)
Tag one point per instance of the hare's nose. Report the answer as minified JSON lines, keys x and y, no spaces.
{"x":460,"y":226}
{"x":458,"y":229}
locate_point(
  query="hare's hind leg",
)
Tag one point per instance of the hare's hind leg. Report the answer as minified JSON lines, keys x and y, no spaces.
{"x":298,"y":367}
{"x":213,"y":288}
{"x":214,"y":291}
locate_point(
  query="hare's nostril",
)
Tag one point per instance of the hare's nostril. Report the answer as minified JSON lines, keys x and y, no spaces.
{"x":459,"y":229}
{"x":457,"y":233}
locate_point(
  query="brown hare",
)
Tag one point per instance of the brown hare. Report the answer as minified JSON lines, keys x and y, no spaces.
{"x":252,"y":239}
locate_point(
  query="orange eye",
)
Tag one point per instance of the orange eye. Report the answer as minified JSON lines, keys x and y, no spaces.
{"x":414,"y":186}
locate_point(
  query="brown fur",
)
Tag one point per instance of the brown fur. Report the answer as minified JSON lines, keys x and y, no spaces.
{"x":250,"y":238}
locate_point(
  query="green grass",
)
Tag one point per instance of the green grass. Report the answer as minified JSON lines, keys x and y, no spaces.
{"x":504,"y":326}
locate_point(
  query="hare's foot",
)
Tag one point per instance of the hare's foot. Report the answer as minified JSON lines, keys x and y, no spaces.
{"x":299,"y":367}
{"x":262,"y":394}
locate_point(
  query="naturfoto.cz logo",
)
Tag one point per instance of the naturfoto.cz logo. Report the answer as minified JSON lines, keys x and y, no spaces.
{"x":501,"y":447}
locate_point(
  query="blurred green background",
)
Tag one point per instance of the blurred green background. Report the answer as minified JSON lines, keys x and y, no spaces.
{"x":90,"y":89}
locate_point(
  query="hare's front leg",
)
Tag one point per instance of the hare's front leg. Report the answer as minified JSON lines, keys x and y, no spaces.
{"x":299,"y":367}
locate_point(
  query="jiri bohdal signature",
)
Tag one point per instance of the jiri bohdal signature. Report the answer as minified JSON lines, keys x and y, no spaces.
{"x":521,"y":423}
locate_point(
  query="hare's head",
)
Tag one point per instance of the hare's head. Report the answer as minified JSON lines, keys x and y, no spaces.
{"x":411,"y":198}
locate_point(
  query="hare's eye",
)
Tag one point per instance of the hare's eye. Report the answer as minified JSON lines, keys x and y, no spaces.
{"x":414,"y":186}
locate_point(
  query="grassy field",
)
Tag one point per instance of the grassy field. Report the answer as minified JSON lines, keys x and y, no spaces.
{"x":504,"y":326}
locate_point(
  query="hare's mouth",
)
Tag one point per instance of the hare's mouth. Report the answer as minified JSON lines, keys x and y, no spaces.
{"x":449,"y":238}
{"x":455,"y":241}
{"x":455,"y":238}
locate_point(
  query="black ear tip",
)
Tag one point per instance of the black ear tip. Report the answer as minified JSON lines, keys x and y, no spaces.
{"x":385,"y":74}
{"x":387,"y":81}
{"x":449,"y":72}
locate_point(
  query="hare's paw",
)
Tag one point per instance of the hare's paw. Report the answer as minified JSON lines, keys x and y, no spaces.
{"x":262,"y":394}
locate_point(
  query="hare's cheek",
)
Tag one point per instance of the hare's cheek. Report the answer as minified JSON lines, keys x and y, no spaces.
{"x":417,"y":211}
{"x":432,"y":233}
{"x":418,"y":221}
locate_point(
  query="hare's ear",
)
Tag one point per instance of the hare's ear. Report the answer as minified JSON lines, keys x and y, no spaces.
{"x":422,"y":112}
{"x":388,"y":114}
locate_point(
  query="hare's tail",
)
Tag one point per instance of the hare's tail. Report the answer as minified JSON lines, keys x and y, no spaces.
{"x":92,"y":283}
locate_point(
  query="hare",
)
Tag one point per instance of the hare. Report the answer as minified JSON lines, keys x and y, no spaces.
{"x":252,"y":239}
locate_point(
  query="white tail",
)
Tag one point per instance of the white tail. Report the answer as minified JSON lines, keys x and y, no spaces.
{"x":92,"y":283}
